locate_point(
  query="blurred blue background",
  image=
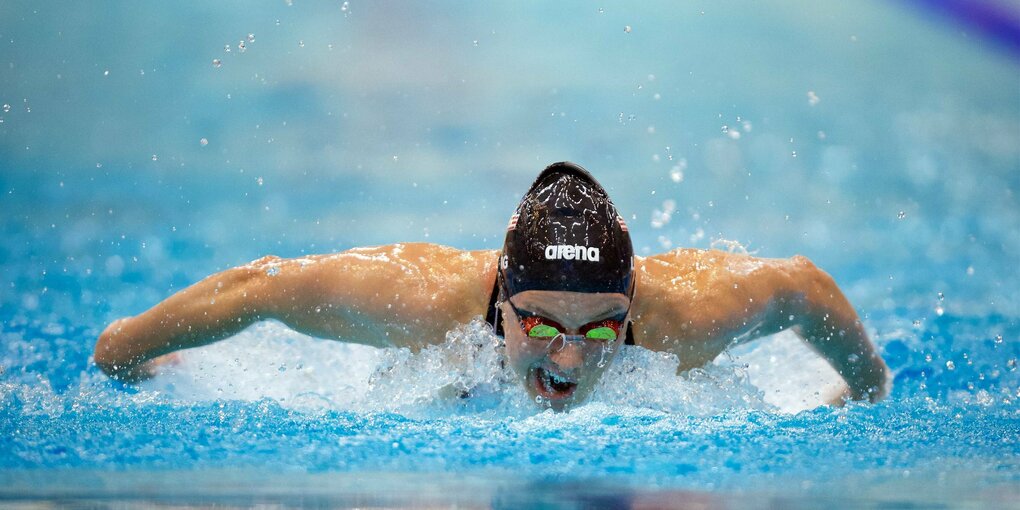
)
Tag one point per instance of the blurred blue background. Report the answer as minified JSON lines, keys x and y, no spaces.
{"x":878,"y":138}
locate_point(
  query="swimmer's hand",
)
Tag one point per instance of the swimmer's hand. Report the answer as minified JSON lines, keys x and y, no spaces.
{"x":147,"y":370}
{"x":129,"y":370}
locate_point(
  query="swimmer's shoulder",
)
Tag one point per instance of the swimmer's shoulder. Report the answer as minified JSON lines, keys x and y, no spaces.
{"x":693,"y":269}
{"x":459,"y":281}
{"x":687,"y":296}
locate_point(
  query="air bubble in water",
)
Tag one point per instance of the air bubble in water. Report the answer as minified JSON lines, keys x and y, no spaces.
{"x":301,"y":44}
{"x":251,"y":38}
{"x":950,"y":365}
{"x":941,"y":296}
{"x":217,"y":62}
{"x":226,"y":48}
{"x":241,"y":46}
{"x":7,"y":108}
{"x":203,"y":142}
{"x":939,"y":310}
{"x":602,"y":11}
{"x":812,"y":98}
{"x":998,"y":339}
{"x":155,"y":157}
{"x":901,"y":215}
{"x":627,"y":29}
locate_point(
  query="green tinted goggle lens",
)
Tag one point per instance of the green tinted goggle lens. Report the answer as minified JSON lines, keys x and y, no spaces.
{"x":603,"y":333}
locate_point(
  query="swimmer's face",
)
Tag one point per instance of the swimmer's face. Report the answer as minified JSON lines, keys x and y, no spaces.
{"x":562,"y":372}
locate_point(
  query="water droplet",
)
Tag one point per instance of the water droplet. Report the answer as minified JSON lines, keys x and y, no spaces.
{"x":301,"y":44}
{"x":345,"y":8}
{"x":627,"y":29}
{"x":155,"y":157}
{"x":812,"y":98}
{"x":917,"y":323}
{"x":475,"y":42}
{"x":901,"y":215}
{"x":793,"y":153}
{"x":7,"y":108}
{"x":950,"y":365}
{"x":259,"y":180}
{"x":602,"y":11}
{"x":998,"y":339}
{"x":251,"y":38}
{"x":277,"y":22}
{"x":942,"y":296}
{"x":273,"y":271}
{"x":217,"y":62}
{"x":203,"y":142}
{"x":676,"y":174}
{"x":226,"y":48}
{"x":241,"y":46}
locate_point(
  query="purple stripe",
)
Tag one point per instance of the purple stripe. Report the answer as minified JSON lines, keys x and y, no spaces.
{"x":995,"y":22}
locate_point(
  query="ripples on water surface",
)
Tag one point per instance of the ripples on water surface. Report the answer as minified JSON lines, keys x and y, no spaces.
{"x":873,"y":139}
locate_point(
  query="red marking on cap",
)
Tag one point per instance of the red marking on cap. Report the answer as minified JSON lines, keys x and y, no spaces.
{"x":513,"y":222}
{"x":623,"y":224}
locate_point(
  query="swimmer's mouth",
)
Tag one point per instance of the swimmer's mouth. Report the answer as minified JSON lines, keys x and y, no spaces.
{"x":552,"y":385}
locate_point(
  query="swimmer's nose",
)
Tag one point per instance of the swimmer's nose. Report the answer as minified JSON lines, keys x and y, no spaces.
{"x":567,"y":355}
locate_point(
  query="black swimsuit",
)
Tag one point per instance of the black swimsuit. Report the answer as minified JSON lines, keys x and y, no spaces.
{"x":492,"y":316}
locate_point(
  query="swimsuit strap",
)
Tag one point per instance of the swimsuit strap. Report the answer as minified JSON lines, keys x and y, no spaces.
{"x":493,"y":317}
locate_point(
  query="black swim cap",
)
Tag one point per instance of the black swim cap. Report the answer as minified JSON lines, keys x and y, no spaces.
{"x":567,"y":235}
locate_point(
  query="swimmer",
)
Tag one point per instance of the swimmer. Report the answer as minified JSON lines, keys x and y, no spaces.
{"x":564,"y":293}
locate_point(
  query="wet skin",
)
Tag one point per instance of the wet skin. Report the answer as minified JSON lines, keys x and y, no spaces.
{"x":691,"y":303}
{"x":561,"y":372}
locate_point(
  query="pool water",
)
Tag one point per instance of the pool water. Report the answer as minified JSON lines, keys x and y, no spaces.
{"x":137,"y":155}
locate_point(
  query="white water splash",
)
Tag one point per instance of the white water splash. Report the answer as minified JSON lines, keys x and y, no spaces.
{"x":466,"y":374}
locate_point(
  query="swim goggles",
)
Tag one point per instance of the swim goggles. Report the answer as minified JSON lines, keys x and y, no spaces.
{"x":542,"y":328}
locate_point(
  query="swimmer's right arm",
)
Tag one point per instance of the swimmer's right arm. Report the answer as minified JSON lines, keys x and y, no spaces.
{"x":401,"y":295}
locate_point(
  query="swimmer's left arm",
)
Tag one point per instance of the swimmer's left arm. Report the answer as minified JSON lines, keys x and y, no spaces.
{"x":699,"y":303}
{"x":811,"y":301}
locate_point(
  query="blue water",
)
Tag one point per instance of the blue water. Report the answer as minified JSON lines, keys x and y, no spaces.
{"x":878,"y":139}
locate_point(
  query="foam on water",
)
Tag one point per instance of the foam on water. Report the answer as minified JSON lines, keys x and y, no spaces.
{"x":466,"y":374}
